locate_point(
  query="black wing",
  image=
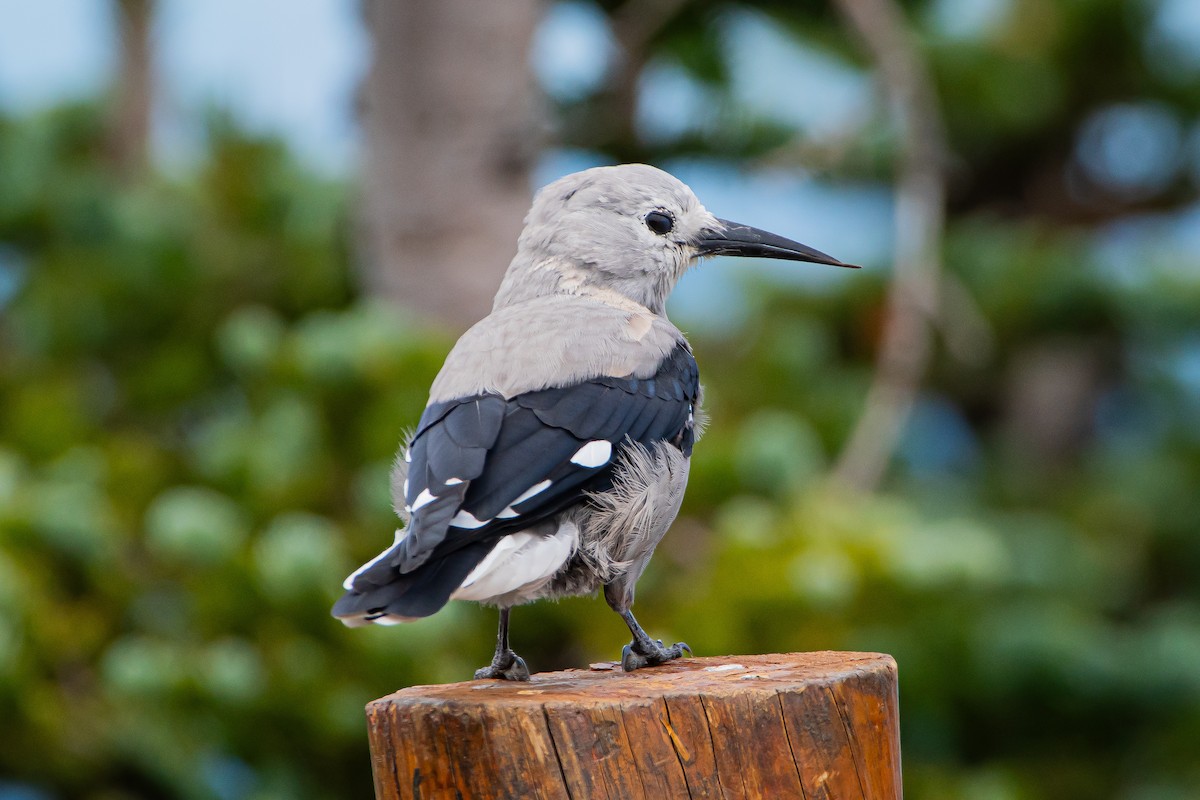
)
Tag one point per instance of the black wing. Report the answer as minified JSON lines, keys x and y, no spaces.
{"x":483,"y":466}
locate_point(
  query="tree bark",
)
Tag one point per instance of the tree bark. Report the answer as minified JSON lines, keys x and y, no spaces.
{"x":450,"y":115}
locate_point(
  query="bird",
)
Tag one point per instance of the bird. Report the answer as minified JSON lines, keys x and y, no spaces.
{"x":553,"y":453}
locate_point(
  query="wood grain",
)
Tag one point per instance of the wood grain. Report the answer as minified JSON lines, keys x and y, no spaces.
{"x":816,"y":726}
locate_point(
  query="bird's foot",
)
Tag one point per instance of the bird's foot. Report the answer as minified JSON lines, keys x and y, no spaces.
{"x":506,"y":666}
{"x":650,"y":654}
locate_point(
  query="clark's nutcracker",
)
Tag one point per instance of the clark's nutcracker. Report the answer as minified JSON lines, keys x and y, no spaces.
{"x":553,"y":453}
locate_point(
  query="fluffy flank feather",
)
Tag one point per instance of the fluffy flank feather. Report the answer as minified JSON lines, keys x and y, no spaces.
{"x":644,"y":498}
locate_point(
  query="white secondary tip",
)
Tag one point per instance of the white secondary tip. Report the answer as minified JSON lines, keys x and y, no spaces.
{"x":537,"y":488}
{"x":465,"y":519}
{"x":593,"y":454}
{"x":423,"y":499}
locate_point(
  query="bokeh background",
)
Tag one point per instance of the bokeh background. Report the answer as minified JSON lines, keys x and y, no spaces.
{"x":238,"y":236}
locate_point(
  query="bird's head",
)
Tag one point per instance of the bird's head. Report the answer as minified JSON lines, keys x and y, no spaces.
{"x":632,"y":229}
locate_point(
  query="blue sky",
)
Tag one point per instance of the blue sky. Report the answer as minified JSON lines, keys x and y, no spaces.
{"x":297,"y":79}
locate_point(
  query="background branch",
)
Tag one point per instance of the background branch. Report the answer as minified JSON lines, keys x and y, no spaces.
{"x":913,"y":297}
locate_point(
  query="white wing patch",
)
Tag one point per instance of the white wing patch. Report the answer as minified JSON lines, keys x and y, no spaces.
{"x":593,"y":454}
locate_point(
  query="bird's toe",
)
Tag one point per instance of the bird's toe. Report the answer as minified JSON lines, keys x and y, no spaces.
{"x":631,"y":660}
{"x":635,"y":656}
{"x":508,"y":667}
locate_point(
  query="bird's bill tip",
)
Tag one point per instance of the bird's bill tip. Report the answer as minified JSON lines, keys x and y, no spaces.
{"x":736,"y":239}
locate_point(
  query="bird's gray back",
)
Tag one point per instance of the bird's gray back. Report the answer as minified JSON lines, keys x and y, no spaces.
{"x":555,"y":341}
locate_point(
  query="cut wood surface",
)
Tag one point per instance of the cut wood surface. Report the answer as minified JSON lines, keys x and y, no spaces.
{"x":803,"y":725}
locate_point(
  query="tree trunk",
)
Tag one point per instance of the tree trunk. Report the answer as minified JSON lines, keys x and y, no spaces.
{"x":129,"y":134}
{"x":450,"y":115}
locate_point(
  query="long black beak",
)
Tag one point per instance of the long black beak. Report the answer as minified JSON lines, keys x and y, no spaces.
{"x":735,"y":239}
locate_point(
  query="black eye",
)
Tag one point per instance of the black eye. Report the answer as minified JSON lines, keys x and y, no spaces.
{"x":660,"y":222}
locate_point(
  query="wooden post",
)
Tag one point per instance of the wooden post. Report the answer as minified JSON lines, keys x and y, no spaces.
{"x":800,"y":725}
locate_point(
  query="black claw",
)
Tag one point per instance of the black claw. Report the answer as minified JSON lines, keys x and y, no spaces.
{"x":629,"y":661}
{"x":506,"y":666}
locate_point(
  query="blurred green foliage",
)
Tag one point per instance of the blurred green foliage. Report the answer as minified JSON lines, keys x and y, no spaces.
{"x":198,"y":414}
{"x":197,"y":419}
{"x":196,"y":425}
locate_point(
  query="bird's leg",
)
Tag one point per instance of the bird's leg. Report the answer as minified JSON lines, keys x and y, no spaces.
{"x":644,"y":651}
{"x":506,"y":665}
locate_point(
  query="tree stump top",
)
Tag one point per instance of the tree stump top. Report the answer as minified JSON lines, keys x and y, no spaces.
{"x":606,"y":683}
{"x":787,"y":725}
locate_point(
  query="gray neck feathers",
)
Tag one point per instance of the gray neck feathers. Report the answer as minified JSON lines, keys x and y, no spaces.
{"x":528,"y":278}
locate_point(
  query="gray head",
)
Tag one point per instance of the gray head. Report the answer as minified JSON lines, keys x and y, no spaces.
{"x":631,"y":229}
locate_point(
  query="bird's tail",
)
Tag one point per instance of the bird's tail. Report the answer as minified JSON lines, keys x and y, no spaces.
{"x":377,"y":592}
